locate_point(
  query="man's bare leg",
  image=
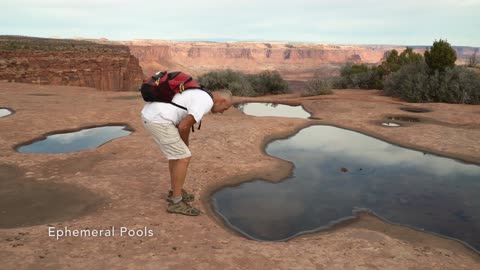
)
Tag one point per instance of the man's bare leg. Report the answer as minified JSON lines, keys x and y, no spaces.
{"x":178,"y":173}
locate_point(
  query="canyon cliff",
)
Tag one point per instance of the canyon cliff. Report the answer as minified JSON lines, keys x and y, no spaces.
{"x":68,"y":62}
{"x":294,"y":61}
{"x":121,"y":66}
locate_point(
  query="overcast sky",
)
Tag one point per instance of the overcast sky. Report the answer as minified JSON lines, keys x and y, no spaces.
{"x":405,"y":22}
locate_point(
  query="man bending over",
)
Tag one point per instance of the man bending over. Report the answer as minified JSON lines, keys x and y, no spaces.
{"x":170,"y":127}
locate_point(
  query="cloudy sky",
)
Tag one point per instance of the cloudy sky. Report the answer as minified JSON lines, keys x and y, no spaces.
{"x":406,"y":22}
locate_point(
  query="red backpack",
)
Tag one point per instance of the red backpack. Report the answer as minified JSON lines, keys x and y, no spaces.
{"x":163,"y":86}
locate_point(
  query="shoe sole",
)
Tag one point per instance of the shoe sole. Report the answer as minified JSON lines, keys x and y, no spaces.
{"x":181,"y":213}
{"x":185,"y":200}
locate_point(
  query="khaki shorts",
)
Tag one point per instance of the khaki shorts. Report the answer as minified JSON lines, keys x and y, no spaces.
{"x":168,"y":139}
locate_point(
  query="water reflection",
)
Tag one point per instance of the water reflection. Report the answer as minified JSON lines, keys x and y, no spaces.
{"x":75,"y":141}
{"x":390,"y":124}
{"x":5,"y":112}
{"x":402,"y":185}
{"x":271,"y":109}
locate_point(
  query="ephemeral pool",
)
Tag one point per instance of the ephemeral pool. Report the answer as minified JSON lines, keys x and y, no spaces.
{"x":5,"y":112}
{"x":271,"y":109}
{"x":337,"y":171}
{"x":74,"y":141}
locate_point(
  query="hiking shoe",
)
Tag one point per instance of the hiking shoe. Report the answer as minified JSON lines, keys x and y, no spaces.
{"x":183,"y":208}
{"x":187,"y":197}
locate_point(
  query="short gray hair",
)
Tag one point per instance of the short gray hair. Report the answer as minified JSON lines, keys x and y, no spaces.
{"x":224,"y":93}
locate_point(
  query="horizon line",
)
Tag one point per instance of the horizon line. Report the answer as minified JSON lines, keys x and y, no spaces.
{"x":232,"y":40}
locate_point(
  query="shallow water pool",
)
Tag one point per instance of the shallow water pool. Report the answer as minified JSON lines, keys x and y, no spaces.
{"x":271,"y":109}
{"x":75,"y":141}
{"x":5,"y":112}
{"x":337,"y":171}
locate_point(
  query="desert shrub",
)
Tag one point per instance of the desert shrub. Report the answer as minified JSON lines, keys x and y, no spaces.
{"x":395,"y":61}
{"x":472,"y":60}
{"x":359,"y":77}
{"x":219,"y":79}
{"x":267,"y":82}
{"x":409,"y":83}
{"x":352,"y":69}
{"x":317,"y":86}
{"x":419,"y":83}
{"x":440,"y":56}
{"x":242,"y":87}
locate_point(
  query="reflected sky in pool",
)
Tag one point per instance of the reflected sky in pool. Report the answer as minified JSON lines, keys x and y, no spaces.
{"x":389,"y":124}
{"x":404,"y":186}
{"x":270,"y":109}
{"x":5,"y":112}
{"x":75,"y":141}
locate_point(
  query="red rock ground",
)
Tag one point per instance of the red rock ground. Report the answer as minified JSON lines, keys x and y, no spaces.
{"x":132,"y":177}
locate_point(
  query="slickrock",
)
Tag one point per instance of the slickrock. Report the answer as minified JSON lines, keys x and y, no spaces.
{"x":68,"y":62}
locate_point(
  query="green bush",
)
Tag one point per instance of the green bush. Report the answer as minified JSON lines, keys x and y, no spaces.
{"x":220,"y":79}
{"x":352,"y":69}
{"x":359,"y":77}
{"x":472,"y":60}
{"x":317,"y":86}
{"x":440,"y":56}
{"x":241,"y":87}
{"x":409,"y":83}
{"x":267,"y":82}
{"x":394,"y":61}
{"x":418,"y":83}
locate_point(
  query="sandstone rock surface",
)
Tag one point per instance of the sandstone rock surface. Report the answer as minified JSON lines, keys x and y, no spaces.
{"x":68,"y":62}
{"x":131,"y":174}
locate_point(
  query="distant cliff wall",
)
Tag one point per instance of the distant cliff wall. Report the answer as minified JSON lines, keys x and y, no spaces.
{"x":295,"y":61}
{"x":68,"y":62}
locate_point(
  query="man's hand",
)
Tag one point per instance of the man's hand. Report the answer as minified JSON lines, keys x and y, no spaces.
{"x":185,"y":126}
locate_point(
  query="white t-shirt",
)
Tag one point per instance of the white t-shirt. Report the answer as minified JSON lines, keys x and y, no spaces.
{"x":197,"y":102}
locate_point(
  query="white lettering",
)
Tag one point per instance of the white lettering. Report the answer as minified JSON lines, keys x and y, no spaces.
{"x":124,"y":231}
{"x":59,"y":234}
{"x":51,"y":231}
{"x":67,"y":232}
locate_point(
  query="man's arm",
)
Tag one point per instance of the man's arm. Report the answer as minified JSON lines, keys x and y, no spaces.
{"x":185,"y":126}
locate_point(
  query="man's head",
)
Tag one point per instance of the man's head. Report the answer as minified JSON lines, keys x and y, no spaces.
{"x":222,"y":100}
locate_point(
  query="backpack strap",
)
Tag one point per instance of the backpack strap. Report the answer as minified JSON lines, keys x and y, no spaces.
{"x":181,"y":107}
{"x":204,"y":89}
{"x":159,"y":75}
